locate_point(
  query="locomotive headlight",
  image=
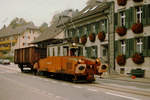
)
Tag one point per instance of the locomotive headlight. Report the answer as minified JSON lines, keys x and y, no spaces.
{"x":80,"y":61}
{"x":104,"y":67}
{"x":97,"y":61}
{"x":81,"y":68}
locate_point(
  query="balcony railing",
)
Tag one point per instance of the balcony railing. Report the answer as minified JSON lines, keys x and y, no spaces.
{"x":8,"y":41}
{"x":4,"y":48}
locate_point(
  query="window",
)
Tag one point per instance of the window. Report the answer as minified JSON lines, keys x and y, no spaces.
{"x":23,"y":44}
{"x":53,"y":51}
{"x":139,"y":44}
{"x":104,"y":51}
{"x":77,"y":34}
{"x":93,"y":52}
{"x":58,"y":51}
{"x":123,"y":47}
{"x":93,"y":28}
{"x":139,"y":14}
{"x":71,"y":34}
{"x":85,"y":30}
{"x":103,"y":26}
{"x":122,"y":18}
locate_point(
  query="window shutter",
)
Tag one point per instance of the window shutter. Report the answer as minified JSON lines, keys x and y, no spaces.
{"x":148,"y":46}
{"x":88,"y":29}
{"x":144,"y":15}
{"x":105,"y":26}
{"x":127,"y":18}
{"x":127,"y":49}
{"x":145,"y":46}
{"x":115,"y":20}
{"x":81,"y":51}
{"x":132,"y":16}
{"x":148,"y":14}
{"x":80,"y":31}
{"x":132,"y":47}
{"x":97,"y":27}
{"x":116,"y":49}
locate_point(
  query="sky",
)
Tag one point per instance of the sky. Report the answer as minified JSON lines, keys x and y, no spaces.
{"x":38,"y":11}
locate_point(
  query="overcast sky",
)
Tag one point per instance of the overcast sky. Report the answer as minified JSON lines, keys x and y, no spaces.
{"x":38,"y":11}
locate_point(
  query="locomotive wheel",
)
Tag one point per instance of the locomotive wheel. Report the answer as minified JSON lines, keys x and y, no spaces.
{"x":35,"y":71}
{"x":21,"y":68}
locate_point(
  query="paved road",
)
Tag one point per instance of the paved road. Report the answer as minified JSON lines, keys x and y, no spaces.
{"x":15,"y":85}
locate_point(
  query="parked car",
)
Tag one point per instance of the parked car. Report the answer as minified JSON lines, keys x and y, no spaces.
{"x":6,"y":61}
{"x":1,"y":61}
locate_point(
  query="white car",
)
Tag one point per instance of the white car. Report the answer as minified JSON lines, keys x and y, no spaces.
{"x":6,"y":61}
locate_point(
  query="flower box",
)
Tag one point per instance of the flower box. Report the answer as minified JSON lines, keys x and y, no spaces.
{"x":83,"y":39}
{"x":121,"y":60}
{"x":101,"y":36}
{"x":137,"y":28}
{"x":121,"y":31}
{"x":122,"y":2}
{"x":92,"y":37}
{"x":138,"y":58}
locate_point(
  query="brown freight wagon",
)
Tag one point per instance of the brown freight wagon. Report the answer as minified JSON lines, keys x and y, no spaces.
{"x":27,"y":57}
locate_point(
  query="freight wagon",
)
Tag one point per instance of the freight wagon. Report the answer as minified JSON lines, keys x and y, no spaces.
{"x":26,"y":57}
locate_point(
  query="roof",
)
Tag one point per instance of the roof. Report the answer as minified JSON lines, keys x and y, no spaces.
{"x":48,"y":34}
{"x":51,"y":32}
{"x":9,"y":31}
{"x":89,"y":10}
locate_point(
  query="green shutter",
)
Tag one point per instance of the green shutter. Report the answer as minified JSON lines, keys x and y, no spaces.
{"x":105,"y":26}
{"x":144,"y":15}
{"x":97,"y":27}
{"x":148,"y":46}
{"x":127,"y":19}
{"x":132,"y":47}
{"x":116,"y":49}
{"x":88,"y":29}
{"x":115,"y":20}
{"x":127,"y":48}
{"x":145,"y":46}
{"x":148,"y":14}
{"x":80,"y":31}
{"x":132,"y":16}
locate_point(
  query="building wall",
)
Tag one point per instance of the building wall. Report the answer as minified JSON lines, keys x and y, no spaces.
{"x":129,"y":65}
{"x":6,"y":45}
{"x":25,"y":38}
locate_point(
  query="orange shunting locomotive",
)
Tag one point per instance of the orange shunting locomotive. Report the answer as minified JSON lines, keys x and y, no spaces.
{"x":62,"y":60}
{"x":70,"y":65}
